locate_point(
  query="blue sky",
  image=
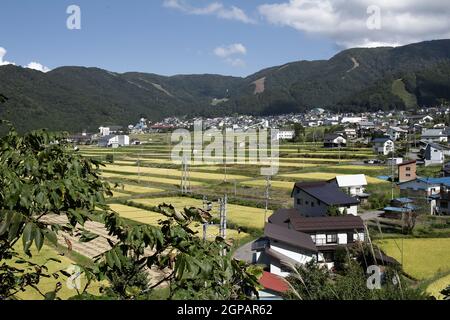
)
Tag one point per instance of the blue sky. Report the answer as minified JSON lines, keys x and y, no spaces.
{"x":182,"y":36}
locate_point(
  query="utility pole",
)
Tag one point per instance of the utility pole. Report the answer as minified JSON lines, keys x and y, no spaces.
{"x":185,"y":179}
{"x":393,"y":171}
{"x":223,"y":216}
{"x":267,"y":196}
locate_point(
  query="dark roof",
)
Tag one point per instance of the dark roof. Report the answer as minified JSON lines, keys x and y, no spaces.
{"x":347,"y":222}
{"x":381,"y":140}
{"x":407,"y":163}
{"x":328,"y":193}
{"x":281,"y":216}
{"x":333,"y":136}
{"x":289,"y":236}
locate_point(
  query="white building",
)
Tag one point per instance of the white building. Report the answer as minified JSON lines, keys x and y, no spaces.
{"x":433,"y":155}
{"x":334,"y":141}
{"x":114,"y":141}
{"x":353,"y":120}
{"x":285,"y":134}
{"x":104,"y":131}
{"x":396,"y":133}
{"x":383,"y":146}
{"x":354,"y":185}
{"x":292,"y":240}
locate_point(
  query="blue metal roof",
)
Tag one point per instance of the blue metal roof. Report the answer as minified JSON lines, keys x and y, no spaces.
{"x":395,"y":209}
{"x":443,"y":180}
{"x":404,"y":200}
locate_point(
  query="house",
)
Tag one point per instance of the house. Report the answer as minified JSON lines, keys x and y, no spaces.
{"x":422,"y":187}
{"x":407,"y":171}
{"x":383,"y":146}
{"x":334,"y":141}
{"x":420,"y":119}
{"x":293,"y":240}
{"x":114,"y":141}
{"x":285,"y":134}
{"x":397,"y":133}
{"x":350,"y":133}
{"x":394,"y":161}
{"x":314,"y":199}
{"x":352,"y":120}
{"x":353,"y":185}
{"x":398,"y":207}
{"x":433,"y":154}
{"x":435,"y":135}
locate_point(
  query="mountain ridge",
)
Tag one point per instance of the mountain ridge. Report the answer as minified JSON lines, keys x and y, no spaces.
{"x":360,"y":79}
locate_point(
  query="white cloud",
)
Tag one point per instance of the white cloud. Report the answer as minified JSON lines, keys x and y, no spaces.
{"x":345,"y":21}
{"x":32,"y":65}
{"x":216,"y":8}
{"x":229,"y":53}
{"x":233,"y":49}
{"x":2,"y":55}
{"x":37,"y":66}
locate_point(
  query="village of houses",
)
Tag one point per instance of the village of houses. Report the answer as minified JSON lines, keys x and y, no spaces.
{"x":303,"y":229}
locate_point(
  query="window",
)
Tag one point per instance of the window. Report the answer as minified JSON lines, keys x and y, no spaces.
{"x":332,"y":238}
{"x":319,"y":202}
{"x":306,"y":202}
{"x":408,"y":175}
{"x":299,"y":202}
{"x":312,"y":204}
{"x":350,"y":237}
{"x":408,"y":168}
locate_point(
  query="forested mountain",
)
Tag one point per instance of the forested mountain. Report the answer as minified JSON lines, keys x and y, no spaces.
{"x":76,"y":98}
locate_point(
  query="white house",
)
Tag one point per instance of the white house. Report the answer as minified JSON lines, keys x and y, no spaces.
{"x":292,"y":240}
{"x":104,"y":131}
{"x":334,"y":141}
{"x":396,"y":133}
{"x":350,"y":133}
{"x":354,"y":185}
{"x":285,"y":134}
{"x":433,"y":154}
{"x":314,"y":199}
{"x":353,"y":119}
{"x":383,"y":146}
{"x":114,"y":141}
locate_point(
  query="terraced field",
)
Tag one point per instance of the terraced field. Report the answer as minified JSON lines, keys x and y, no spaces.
{"x":152,"y":218}
{"x":170,"y":173}
{"x":156,"y":180}
{"x":422,"y":258}
{"x":237,"y":214}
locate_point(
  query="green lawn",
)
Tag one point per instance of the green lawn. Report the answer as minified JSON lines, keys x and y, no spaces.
{"x":422,"y":258}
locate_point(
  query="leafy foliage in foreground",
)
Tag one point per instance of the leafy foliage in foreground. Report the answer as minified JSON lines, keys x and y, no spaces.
{"x":349,"y":282}
{"x":41,"y":175}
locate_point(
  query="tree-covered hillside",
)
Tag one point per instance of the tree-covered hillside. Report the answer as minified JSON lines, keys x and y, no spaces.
{"x":76,"y":98}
